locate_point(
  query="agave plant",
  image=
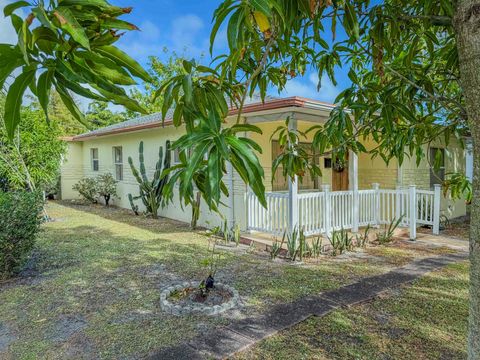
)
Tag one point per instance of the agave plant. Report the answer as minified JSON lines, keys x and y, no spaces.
{"x":150,"y":190}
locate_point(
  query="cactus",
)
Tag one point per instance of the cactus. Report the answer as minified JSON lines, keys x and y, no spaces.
{"x":150,"y":191}
{"x":132,"y":204}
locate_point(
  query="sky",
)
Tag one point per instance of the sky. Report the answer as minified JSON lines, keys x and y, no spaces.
{"x":184,"y":27}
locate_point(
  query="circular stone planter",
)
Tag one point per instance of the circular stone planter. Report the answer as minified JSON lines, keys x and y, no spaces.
{"x":197,"y":308}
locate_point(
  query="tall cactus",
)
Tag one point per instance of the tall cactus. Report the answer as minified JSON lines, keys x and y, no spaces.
{"x":150,"y":191}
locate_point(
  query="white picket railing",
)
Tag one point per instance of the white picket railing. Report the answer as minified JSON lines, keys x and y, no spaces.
{"x":324,"y":211}
{"x":273,"y":219}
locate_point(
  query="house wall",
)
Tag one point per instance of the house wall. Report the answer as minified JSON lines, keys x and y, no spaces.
{"x":78,"y":164}
{"x":369,"y":170}
{"x":71,"y":170}
{"x":266,"y":158}
{"x":376,"y":170}
{"x":455,"y":161}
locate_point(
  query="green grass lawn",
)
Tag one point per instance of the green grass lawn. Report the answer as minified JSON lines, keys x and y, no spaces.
{"x":92,"y":287}
{"x":425,"y":321}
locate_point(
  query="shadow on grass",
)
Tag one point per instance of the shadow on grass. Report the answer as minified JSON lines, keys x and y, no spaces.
{"x":427,"y":320}
{"x":114,"y":213}
{"x":92,"y":250}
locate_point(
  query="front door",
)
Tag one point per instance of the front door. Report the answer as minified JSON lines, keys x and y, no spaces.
{"x":340,"y":176}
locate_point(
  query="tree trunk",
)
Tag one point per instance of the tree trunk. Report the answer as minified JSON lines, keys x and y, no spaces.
{"x":195,"y":211}
{"x":467,"y":29}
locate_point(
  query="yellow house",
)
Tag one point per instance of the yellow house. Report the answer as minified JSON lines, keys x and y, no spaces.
{"x":363,"y":183}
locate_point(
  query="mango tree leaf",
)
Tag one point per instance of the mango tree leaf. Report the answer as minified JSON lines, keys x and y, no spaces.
{"x":44,"y":85}
{"x":97,"y":3}
{"x":14,"y":99}
{"x":118,"y":24}
{"x":68,"y":23}
{"x":124,"y":60}
{"x":10,"y":59}
{"x":71,"y":105}
{"x":10,"y":8}
{"x":77,"y":88}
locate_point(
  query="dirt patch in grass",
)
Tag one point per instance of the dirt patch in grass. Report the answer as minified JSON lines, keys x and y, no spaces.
{"x":457,"y":228}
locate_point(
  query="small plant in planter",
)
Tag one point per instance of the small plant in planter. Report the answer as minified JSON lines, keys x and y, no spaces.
{"x":316,"y":247}
{"x":210,"y":263}
{"x":207,"y":297}
{"x":230,"y":234}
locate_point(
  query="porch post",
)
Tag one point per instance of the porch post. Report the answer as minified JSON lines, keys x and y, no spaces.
{"x":398,"y":202}
{"x":436,"y":209}
{"x":353,"y":185}
{"x":327,"y":217}
{"x":376,"y":204}
{"x":412,"y":195}
{"x":292,"y":189}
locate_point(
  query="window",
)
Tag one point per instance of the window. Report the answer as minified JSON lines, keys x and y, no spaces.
{"x":118,"y":160}
{"x":327,"y":163}
{"x":94,"y":157}
{"x":437,"y":166}
{"x":176,"y":156}
{"x":280,"y":183}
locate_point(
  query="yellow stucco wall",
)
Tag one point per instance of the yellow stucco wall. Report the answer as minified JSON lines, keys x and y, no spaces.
{"x":71,"y":170}
{"x":77,"y":164}
{"x":375,"y":170}
{"x":455,"y":161}
{"x":369,"y":170}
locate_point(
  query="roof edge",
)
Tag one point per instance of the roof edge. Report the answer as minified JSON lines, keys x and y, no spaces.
{"x":293,"y":101}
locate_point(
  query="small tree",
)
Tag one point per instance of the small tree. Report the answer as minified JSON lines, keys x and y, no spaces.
{"x":106,"y":187}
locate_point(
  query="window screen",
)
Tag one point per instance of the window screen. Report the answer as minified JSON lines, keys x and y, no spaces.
{"x":118,"y":160}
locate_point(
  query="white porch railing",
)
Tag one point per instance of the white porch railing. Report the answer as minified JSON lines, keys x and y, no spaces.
{"x":325,"y":211}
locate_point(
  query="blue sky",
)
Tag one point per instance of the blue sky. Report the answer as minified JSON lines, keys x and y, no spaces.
{"x":184,"y":27}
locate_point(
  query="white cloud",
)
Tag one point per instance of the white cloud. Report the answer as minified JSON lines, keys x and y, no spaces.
{"x":149,"y":31}
{"x":307,"y":87}
{"x":7,"y":32}
{"x":186,"y":35}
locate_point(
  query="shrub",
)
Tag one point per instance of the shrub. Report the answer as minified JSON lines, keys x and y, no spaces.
{"x":340,"y":242}
{"x":20,"y":218}
{"x":386,"y":236}
{"x":91,"y":188}
{"x":277,"y":247}
{"x":107,"y":187}
{"x":87,"y":188}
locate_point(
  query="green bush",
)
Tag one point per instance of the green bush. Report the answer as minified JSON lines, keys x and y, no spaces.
{"x":87,"y":188}
{"x":101,"y":186}
{"x":107,"y":187}
{"x":20,"y":218}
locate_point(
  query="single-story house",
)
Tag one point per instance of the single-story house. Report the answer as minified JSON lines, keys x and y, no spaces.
{"x":365,"y":191}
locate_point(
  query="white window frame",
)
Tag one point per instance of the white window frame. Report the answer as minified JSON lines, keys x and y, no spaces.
{"x":118,"y":164}
{"x":94,"y":159}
